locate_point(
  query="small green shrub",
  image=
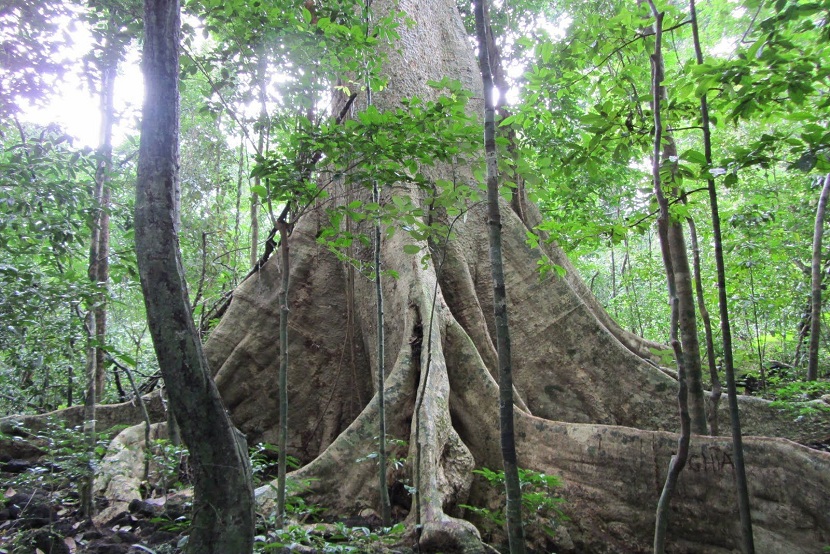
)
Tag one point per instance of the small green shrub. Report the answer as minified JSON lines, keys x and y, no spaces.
{"x":67,"y":462}
{"x":334,"y":538}
{"x":540,"y":507}
{"x":169,"y":463}
{"x":796,"y":396}
{"x":264,"y":462}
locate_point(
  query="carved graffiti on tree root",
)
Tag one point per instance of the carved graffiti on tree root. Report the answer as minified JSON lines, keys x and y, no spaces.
{"x":709,"y":459}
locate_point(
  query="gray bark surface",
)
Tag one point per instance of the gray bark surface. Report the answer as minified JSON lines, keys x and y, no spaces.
{"x":223,"y":511}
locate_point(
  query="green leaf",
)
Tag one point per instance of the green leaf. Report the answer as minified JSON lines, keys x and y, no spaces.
{"x":694,"y":156}
{"x":411,"y":248}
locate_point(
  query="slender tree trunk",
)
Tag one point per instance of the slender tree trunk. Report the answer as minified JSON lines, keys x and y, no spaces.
{"x":70,"y":378}
{"x":223,"y":513}
{"x":815,"y":297}
{"x":262,"y":68}
{"x":282,"y":444}
{"x":756,"y":331}
{"x":98,"y":270}
{"x":666,"y":149}
{"x":714,"y":400}
{"x":803,"y":331}
{"x":383,"y":490}
{"x":747,"y":542}
{"x":515,"y":531}
{"x":103,"y":197}
{"x":240,"y":177}
{"x":678,"y":461}
{"x":86,"y":492}
{"x":631,"y":292}
{"x":148,"y":424}
{"x":613,"y":277}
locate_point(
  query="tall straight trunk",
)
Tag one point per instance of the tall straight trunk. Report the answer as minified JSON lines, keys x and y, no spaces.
{"x":383,"y":490}
{"x":282,"y":441}
{"x":714,"y":400}
{"x":254,"y":213}
{"x":670,"y":259}
{"x":95,"y":320}
{"x":515,"y":530}
{"x":613,"y":277}
{"x":103,"y":193}
{"x":86,"y":489}
{"x":747,"y":541}
{"x":815,"y":292}
{"x":223,"y":509}
{"x":70,"y":383}
{"x":687,"y":323}
{"x":240,"y":177}
{"x":262,"y":68}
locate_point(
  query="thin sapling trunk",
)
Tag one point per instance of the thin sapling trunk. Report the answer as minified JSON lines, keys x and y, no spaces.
{"x":515,"y":530}
{"x":747,"y":542}
{"x":678,"y":461}
{"x":714,"y":399}
{"x":815,"y":280}
{"x":283,"y":377}
{"x":383,"y":490}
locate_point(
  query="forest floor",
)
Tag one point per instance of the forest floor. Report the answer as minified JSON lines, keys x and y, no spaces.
{"x":40,"y":514}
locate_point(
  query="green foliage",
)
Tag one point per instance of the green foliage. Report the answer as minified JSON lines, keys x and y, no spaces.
{"x":540,"y":508}
{"x":264,"y":462}
{"x":32,"y":39}
{"x":44,"y":208}
{"x":799,"y":397}
{"x":582,"y":139}
{"x":394,"y":148}
{"x":334,"y":538}
{"x":169,"y":463}
{"x":396,"y":456}
{"x":66,"y":464}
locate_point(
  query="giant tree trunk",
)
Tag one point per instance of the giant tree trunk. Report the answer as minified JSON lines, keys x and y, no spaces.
{"x":596,"y":413}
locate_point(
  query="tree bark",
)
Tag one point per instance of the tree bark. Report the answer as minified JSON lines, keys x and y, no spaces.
{"x":109,"y":67}
{"x":678,"y":461}
{"x":815,"y":297}
{"x":515,"y":530}
{"x":670,"y":251}
{"x":673,"y":243}
{"x":262,"y":140}
{"x":714,"y":398}
{"x":283,"y":378}
{"x":741,"y":485}
{"x":223,"y":515}
{"x":90,"y":401}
